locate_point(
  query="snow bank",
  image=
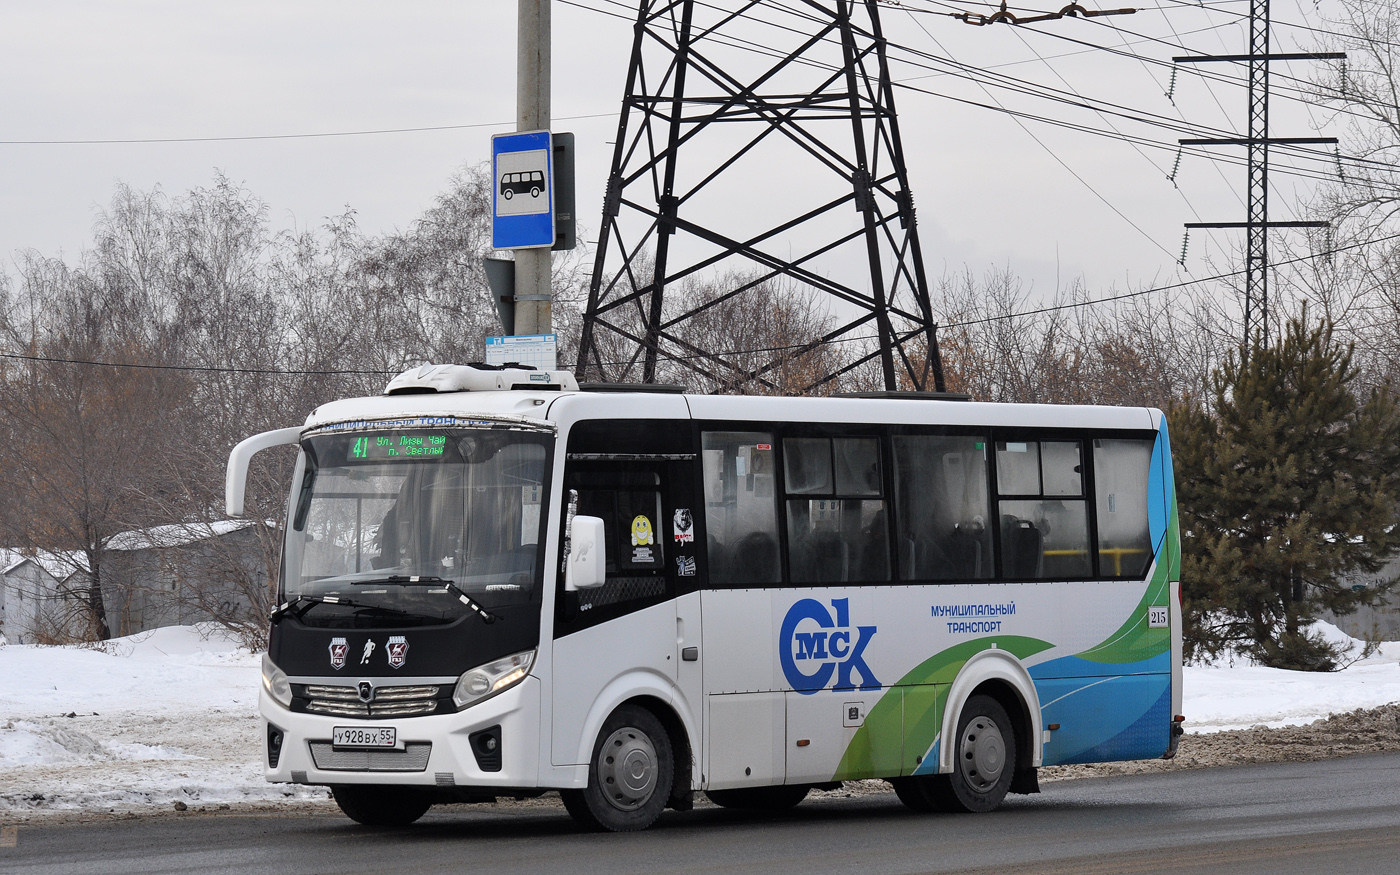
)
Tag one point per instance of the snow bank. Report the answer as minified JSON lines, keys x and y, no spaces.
{"x":1233,"y":694}
{"x":177,"y":669}
{"x":156,"y":718}
{"x":171,"y":716}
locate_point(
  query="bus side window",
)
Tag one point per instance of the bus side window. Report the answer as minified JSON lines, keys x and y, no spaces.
{"x":1120,"y":497}
{"x":1044,"y":518}
{"x":943,"y":503}
{"x":740,"y":511}
{"x":628,"y":501}
{"x":837,"y":524}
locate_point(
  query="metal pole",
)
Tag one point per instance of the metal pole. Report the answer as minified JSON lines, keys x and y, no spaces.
{"x":533,"y":313}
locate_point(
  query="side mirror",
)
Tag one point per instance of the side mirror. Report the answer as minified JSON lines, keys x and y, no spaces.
{"x":588,"y":559}
{"x":236,"y":478}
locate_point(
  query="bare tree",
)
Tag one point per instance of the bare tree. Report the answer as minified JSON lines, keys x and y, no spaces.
{"x":86,"y":443}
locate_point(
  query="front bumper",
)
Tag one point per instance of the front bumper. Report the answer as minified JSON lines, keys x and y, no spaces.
{"x":438,"y":748}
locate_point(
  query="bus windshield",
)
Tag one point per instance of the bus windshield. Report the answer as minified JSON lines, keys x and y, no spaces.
{"x":383,"y":520}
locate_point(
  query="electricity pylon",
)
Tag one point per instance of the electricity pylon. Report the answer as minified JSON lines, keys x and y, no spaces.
{"x":758,"y":145}
{"x":1257,"y":223}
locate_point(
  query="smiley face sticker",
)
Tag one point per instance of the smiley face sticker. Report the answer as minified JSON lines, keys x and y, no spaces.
{"x":641,"y":531}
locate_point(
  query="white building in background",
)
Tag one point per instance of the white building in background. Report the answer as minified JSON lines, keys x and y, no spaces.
{"x":1381,"y":622}
{"x":185,"y":573}
{"x":160,"y":576}
{"x":29,"y":595}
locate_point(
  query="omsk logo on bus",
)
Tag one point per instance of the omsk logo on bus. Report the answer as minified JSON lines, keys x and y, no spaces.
{"x":816,"y":644}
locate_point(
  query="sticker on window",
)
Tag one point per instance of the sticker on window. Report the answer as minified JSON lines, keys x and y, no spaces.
{"x":683,"y":526}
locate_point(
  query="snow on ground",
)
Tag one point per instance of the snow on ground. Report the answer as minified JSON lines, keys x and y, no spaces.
{"x":1236,"y":695}
{"x":157,"y":718}
{"x":171,"y":716}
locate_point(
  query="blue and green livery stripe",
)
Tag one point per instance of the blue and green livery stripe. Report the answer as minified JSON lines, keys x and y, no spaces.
{"x":904,"y":724}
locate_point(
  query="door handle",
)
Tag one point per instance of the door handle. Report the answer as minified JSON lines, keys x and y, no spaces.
{"x":690,"y":654}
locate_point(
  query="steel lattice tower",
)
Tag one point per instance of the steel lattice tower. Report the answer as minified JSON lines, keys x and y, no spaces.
{"x":1257,"y":224}
{"x":1256,"y":259}
{"x":754,"y":152}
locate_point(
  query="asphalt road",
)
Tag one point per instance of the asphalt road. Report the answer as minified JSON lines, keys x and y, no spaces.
{"x":1331,"y":816}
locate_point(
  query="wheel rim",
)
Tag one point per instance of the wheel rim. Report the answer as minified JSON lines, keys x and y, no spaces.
{"x":627,"y":769}
{"x":982,"y":754}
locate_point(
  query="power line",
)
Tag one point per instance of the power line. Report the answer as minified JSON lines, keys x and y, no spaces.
{"x":310,"y":136}
{"x":1294,"y":93}
{"x":1128,"y":113}
{"x":1015,"y":84}
{"x":1058,"y":159}
{"x":188,"y":368}
{"x":1110,"y":124}
{"x":971,"y":74}
{"x":1018,"y":85}
{"x":1192,"y":5}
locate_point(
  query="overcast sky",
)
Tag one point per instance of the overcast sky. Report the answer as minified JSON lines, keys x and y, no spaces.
{"x":1043,"y":200}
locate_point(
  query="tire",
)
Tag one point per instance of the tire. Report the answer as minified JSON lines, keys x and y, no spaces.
{"x":779,"y":798}
{"x":378,"y":805}
{"x":629,"y":776}
{"x":508,"y":194}
{"x":534,"y":191}
{"x":984,"y":759}
{"x":917,"y":793}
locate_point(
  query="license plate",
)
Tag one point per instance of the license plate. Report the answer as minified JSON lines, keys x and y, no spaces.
{"x":374,"y":737}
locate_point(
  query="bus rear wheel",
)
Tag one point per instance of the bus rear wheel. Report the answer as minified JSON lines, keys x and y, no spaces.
{"x":985,"y":763}
{"x":779,"y":798}
{"x":984,"y":759}
{"x":377,"y":805}
{"x":629,"y":776}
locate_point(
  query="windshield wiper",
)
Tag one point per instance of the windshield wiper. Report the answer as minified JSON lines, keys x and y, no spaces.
{"x":301,"y":604}
{"x":431,"y":580}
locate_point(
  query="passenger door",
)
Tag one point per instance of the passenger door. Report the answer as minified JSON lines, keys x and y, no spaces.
{"x":633,"y":622}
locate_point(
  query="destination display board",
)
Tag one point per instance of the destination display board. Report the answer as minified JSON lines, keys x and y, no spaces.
{"x":397,"y":445}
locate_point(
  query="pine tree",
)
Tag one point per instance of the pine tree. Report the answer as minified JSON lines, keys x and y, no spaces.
{"x":1288,"y":483}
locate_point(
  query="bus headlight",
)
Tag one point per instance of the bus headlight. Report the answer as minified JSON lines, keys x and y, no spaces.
{"x":275,"y":682}
{"x":487,"y":680}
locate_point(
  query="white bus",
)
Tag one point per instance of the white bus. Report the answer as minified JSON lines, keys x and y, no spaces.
{"x":498,"y":584}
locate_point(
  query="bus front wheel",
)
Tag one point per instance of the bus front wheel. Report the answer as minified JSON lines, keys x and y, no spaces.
{"x":629,"y":776}
{"x":377,"y":805}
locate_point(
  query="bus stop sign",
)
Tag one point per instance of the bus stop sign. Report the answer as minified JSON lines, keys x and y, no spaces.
{"x":522,"y":191}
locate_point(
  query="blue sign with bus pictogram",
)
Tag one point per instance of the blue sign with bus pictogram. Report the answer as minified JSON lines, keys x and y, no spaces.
{"x":522,"y":190}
